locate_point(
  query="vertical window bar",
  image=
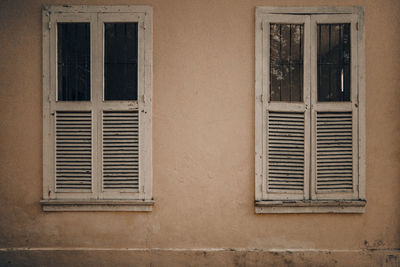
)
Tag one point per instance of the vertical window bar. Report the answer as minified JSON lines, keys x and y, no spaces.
{"x":319,"y":59}
{"x":341,"y":61}
{"x":124,"y":47}
{"x":301,"y":64}
{"x":75,"y":59}
{"x":329,"y":64}
{"x":87,"y":29}
{"x":290,"y":62}
{"x":280,"y":61}
{"x":348,"y":91}
{"x":270,"y":64}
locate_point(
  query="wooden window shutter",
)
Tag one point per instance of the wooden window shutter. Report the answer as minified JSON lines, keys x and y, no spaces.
{"x":73,"y":162}
{"x":69,"y":132}
{"x":122,"y":126}
{"x":286,"y":161}
{"x":97,"y":108}
{"x":120,"y":155}
{"x":310,"y":151}
{"x":97,"y":144}
{"x":286,"y":130}
{"x":335,"y":127}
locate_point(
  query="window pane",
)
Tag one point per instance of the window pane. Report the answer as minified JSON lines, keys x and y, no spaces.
{"x":73,"y":56}
{"x":334,"y":62}
{"x":286,"y":62}
{"x":121,"y":61}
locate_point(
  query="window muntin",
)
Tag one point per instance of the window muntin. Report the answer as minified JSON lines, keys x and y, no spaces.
{"x":334,"y":62}
{"x":286,"y":62}
{"x":73,"y":61}
{"x":120,"y":61}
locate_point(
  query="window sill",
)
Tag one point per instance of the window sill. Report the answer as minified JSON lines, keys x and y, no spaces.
{"x":97,"y":205}
{"x":316,"y":206}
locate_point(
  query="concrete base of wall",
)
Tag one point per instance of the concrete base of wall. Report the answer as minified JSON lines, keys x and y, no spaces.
{"x":197,"y":257}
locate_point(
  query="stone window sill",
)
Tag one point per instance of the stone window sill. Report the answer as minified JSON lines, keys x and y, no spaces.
{"x":315,"y":206}
{"x":97,"y":205}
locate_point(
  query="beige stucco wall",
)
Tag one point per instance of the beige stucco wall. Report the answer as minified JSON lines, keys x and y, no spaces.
{"x":203,"y":138}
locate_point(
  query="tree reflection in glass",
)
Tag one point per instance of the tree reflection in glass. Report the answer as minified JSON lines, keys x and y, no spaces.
{"x":286,"y":62}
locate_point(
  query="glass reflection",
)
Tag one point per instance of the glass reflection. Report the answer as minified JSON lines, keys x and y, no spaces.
{"x":286,"y":62}
{"x":334,"y":62}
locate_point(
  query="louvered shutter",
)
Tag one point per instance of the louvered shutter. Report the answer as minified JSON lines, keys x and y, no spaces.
{"x":286,"y":149}
{"x":122,"y":126}
{"x":69,"y":135}
{"x":73,"y":137}
{"x":71,"y":145}
{"x":121,"y":154}
{"x":121,"y":150}
{"x":286,"y":128}
{"x":335,"y":128}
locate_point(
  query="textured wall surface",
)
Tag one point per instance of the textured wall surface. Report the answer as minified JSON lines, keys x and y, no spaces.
{"x":203,"y":141}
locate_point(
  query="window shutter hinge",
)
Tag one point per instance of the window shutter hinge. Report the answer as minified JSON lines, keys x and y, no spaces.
{"x":144,"y":99}
{"x":357,"y":26}
{"x":143,"y":188}
{"x":143,"y":25}
{"x":262,"y":25}
{"x":47,"y":15}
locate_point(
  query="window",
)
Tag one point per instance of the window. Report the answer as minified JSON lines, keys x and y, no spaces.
{"x":310,"y":110}
{"x":97,"y":93}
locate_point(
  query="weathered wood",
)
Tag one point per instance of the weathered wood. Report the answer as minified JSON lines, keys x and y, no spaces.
{"x":354,"y":152}
{"x":97,"y":15}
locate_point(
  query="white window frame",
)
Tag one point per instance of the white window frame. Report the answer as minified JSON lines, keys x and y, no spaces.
{"x":98,"y":200}
{"x":329,"y":203}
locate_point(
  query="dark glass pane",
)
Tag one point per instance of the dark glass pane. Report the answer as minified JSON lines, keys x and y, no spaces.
{"x":334,"y":62}
{"x":73,"y":60}
{"x":121,"y":61}
{"x":286,"y":62}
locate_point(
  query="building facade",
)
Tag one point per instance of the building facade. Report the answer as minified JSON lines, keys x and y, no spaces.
{"x":203,"y":192}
